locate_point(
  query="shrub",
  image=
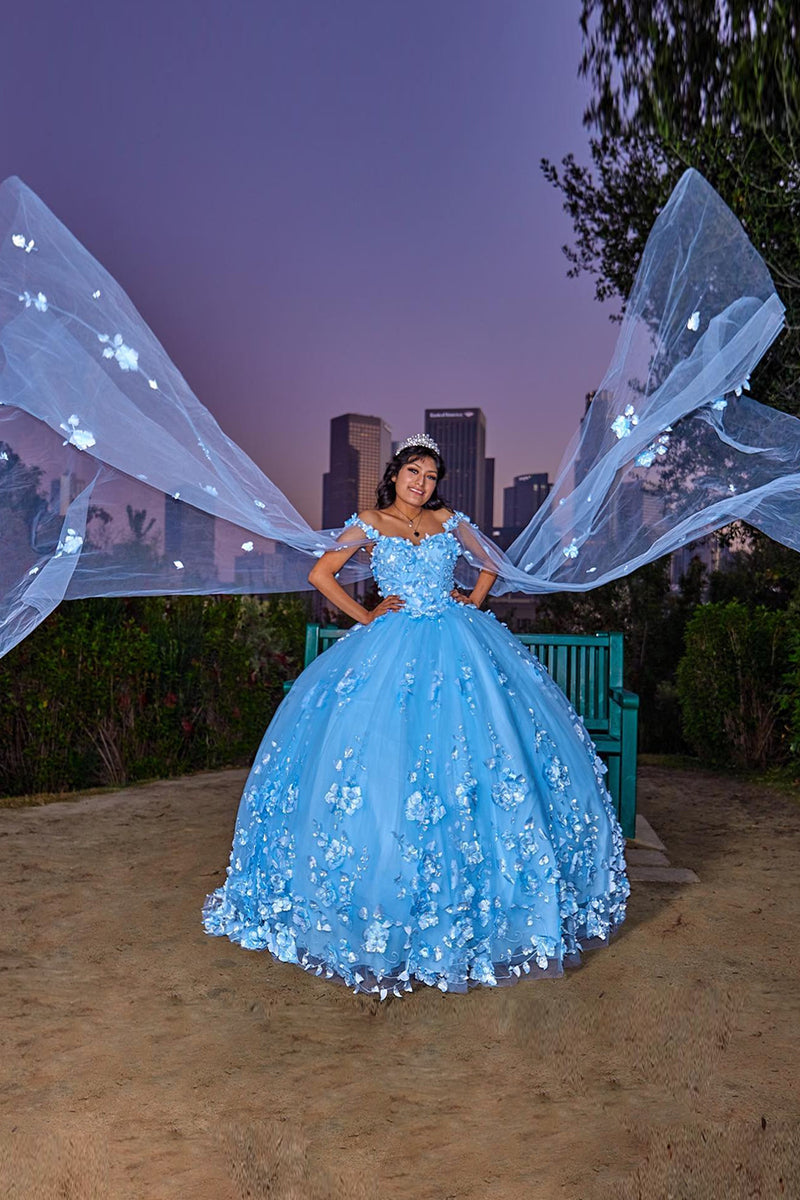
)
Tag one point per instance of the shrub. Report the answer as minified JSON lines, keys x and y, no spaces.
{"x":731,"y":684}
{"x":791,"y":696}
{"x":114,"y":690}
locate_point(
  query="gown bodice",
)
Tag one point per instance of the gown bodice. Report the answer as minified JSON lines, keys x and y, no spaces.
{"x":421,"y":573}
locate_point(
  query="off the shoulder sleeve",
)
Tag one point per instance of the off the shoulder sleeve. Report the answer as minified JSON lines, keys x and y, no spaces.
{"x":456,"y":519}
{"x":369,"y":530}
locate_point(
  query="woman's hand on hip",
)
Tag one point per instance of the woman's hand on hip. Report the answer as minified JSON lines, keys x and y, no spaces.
{"x":389,"y":604}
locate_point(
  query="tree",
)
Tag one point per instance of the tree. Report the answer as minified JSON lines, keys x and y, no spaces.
{"x":22,"y":504}
{"x":711,"y":84}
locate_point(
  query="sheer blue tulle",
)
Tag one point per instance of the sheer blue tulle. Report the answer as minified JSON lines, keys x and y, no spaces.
{"x":114,"y":480}
{"x":425,"y":805}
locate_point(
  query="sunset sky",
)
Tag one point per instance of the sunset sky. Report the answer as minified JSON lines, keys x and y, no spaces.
{"x":323,"y":206}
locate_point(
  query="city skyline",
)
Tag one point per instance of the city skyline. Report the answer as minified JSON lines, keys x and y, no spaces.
{"x":361,"y":444}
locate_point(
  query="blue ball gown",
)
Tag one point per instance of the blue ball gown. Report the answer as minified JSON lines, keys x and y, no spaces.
{"x":426,"y":806}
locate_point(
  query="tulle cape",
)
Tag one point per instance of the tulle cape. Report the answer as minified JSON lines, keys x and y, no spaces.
{"x":115,"y":480}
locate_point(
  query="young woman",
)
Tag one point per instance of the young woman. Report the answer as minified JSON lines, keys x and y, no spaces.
{"x":426,"y":806}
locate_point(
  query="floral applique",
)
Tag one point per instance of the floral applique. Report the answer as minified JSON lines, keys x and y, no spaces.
{"x":127,"y":359}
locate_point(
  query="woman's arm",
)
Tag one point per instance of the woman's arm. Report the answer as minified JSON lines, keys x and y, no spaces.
{"x":323,"y":576}
{"x":481,"y":590}
{"x":479,"y":593}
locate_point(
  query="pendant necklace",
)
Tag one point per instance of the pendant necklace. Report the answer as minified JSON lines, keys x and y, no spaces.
{"x":410,"y":522}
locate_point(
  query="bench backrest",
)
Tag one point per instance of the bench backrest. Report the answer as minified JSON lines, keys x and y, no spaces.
{"x":585,"y":667}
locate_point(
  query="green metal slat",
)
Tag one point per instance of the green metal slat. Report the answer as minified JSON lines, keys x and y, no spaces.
{"x":573,"y":675}
{"x":601,"y":684}
{"x":312,"y":644}
{"x":585,"y":659}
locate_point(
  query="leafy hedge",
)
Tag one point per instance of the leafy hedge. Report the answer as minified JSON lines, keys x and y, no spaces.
{"x":115,"y":690}
{"x":733,"y":684}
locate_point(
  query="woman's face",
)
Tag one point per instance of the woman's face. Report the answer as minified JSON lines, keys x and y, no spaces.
{"x":415,"y":482}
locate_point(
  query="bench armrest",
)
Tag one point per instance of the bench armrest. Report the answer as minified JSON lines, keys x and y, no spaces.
{"x":623,"y":698}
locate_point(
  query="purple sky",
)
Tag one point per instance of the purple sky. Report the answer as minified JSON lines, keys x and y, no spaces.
{"x":324,"y":207}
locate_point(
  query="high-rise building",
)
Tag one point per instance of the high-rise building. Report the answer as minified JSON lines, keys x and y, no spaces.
{"x":603,"y":400}
{"x":189,"y":535}
{"x":360,"y":449}
{"x":460,"y":434}
{"x":526,"y":496}
{"x":250,"y":571}
{"x":63,"y":491}
{"x":488,"y":495}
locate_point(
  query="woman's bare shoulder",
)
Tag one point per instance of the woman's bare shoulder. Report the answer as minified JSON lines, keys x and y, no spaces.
{"x":371,"y":516}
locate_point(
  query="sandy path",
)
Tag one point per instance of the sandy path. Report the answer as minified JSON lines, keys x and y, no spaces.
{"x":143,"y":1059}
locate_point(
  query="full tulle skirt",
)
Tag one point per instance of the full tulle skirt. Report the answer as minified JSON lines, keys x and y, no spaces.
{"x":426,"y":806}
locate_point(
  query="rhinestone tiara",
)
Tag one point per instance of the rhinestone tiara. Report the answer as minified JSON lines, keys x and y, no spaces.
{"x":419,"y":439}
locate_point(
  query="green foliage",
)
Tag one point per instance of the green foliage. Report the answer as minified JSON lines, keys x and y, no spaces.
{"x":791,"y":694}
{"x":767,"y":574}
{"x":701,"y":83}
{"x":731,"y":684}
{"x":110,"y":691}
{"x":652,"y":618}
{"x":715,"y":85}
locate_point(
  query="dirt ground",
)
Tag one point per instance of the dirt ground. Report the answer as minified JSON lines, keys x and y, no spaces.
{"x":142,"y":1059}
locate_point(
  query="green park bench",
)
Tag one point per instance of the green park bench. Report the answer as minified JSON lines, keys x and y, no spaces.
{"x":588,"y":668}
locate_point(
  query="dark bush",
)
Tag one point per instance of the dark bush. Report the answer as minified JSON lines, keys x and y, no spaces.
{"x":731,"y":685}
{"x":791,"y":693}
{"x":111,"y":691}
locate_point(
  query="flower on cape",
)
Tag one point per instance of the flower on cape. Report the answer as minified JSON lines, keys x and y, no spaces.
{"x":153,"y":384}
{"x":718,"y":405}
{"x":127,"y":358}
{"x":82,"y":439}
{"x":22,"y":243}
{"x":247,"y":547}
{"x":69,"y":544}
{"x":655,"y":450}
{"x":622,"y":424}
{"x":177,"y":563}
{"x":39,"y":301}
{"x":209,"y":487}
{"x":571,"y":551}
{"x":96,"y":294}
{"x":745,"y":384}
{"x":693,"y":324}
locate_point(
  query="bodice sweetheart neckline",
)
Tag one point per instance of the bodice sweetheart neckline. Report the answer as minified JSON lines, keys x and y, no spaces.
{"x":398,"y":537}
{"x":376,"y":536}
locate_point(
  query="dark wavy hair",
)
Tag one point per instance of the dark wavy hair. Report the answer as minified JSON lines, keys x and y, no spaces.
{"x":386,"y":490}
